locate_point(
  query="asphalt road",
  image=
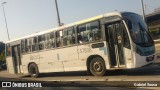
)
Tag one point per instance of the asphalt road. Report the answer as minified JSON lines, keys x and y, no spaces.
{"x":80,"y":80}
{"x":148,"y":73}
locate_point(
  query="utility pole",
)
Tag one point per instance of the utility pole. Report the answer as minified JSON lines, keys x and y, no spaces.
{"x":58,"y":18}
{"x":143,"y":10}
{"x":5,"y":19}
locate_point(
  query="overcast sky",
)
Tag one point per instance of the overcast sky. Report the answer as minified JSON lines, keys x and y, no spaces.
{"x":25,"y":17}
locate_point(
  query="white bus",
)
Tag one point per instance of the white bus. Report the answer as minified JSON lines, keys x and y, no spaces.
{"x":118,"y":40}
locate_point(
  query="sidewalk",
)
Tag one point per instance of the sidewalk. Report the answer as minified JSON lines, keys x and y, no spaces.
{"x":5,"y":74}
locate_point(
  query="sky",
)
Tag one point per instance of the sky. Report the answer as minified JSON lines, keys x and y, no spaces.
{"x":25,"y":17}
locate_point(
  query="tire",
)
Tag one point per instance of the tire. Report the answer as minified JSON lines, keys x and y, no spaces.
{"x":33,"y":70}
{"x":97,"y":67}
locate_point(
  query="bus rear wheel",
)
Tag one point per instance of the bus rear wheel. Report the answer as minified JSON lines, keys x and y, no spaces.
{"x":97,"y":67}
{"x":33,"y":70}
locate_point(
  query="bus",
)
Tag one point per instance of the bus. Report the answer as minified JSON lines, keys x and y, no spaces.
{"x":117,"y":40}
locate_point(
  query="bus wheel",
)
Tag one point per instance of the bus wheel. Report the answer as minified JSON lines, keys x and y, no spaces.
{"x":33,"y":70}
{"x":97,"y":66}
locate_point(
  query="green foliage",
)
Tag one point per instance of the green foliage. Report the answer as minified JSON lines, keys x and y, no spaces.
{"x":2,"y":55}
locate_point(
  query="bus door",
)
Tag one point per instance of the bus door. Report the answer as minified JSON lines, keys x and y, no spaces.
{"x":16,"y":58}
{"x":114,"y":37}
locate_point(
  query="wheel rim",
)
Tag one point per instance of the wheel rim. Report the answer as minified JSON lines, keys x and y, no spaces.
{"x":97,"y":67}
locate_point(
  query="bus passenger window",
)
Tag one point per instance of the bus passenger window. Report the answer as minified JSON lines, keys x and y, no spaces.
{"x":29,"y":44}
{"x":65,"y":38}
{"x":52,"y":42}
{"x":96,"y":31}
{"x":69,"y":36}
{"x":79,"y":38}
{"x":35,"y":44}
{"x":73,"y":40}
{"x":89,"y":32}
{"x":26,"y":47}
{"x":59,"y":38}
{"x":23,"y":46}
{"x":41,"y":42}
{"x":47,"y":38}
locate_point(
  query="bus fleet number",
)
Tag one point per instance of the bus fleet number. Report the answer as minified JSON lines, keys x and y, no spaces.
{"x":84,"y":50}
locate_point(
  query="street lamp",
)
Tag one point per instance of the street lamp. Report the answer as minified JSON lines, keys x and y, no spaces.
{"x":58,"y":18}
{"x":5,"y":19}
{"x":143,"y":10}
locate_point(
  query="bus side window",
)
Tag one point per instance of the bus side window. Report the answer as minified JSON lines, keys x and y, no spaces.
{"x":73,"y":37}
{"x":47,"y":38}
{"x":69,"y":37}
{"x":41,"y":42}
{"x":23,"y":46}
{"x":96,"y":31}
{"x":30,"y":40}
{"x":79,"y":37}
{"x":89,"y":32}
{"x":26,"y":48}
{"x":80,"y":31}
{"x":35,"y":44}
{"x":52,"y":42}
{"x":59,"y":38}
{"x":65,"y":38}
{"x":32,"y":45}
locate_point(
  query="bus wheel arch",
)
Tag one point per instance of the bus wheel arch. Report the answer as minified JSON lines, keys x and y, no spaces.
{"x":33,"y":69}
{"x":91,"y":60}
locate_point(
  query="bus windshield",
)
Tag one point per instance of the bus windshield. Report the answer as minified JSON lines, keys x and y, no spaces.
{"x":138,"y":29}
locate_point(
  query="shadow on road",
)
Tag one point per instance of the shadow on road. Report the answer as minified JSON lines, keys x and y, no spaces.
{"x":71,"y":85}
{"x":143,"y":71}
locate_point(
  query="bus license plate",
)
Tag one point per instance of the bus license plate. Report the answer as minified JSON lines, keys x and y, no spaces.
{"x":150,"y":58}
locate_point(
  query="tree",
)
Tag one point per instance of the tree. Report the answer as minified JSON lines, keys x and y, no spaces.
{"x":2,"y":56}
{"x":2,"y":51}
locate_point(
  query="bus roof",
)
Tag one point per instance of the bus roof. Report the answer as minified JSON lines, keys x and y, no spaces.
{"x":68,"y":25}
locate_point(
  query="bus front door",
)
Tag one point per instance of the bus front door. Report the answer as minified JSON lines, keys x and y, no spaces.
{"x":16,"y":58}
{"x":114,"y":35}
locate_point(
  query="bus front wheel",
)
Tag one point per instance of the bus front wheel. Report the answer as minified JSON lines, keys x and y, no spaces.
{"x":33,"y":70}
{"x":97,"y":67}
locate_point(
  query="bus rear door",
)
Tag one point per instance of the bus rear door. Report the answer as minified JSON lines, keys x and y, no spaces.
{"x":16,"y":55}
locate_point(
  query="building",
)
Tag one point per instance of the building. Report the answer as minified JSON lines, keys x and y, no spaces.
{"x":153,"y":21}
